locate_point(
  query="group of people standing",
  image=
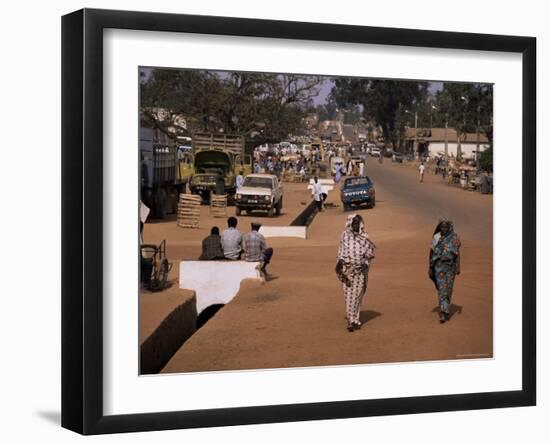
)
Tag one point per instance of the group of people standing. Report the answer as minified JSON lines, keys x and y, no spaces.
{"x":356,"y":252}
{"x":232,"y":245}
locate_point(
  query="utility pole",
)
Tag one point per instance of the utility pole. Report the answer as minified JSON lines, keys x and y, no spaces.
{"x":477,"y":137}
{"x":415,"y":144}
{"x":415,"y":135}
{"x":446,"y":139}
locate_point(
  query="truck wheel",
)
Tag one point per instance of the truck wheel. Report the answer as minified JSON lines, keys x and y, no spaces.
{"x":279,"y":206}
{"x":347,"y":207}
{"x":373,"y":203}
{"x":237,"y":211}
{"x":160,"y":203}
{"x":270,"y":212}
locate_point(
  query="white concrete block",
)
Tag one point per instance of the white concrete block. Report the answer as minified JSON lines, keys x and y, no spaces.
{"x":325,"y":188}
{"x":327,"y":185}
{"x":284,"y":231}
{"x":323,"y":181}
{"x":215,"y":282}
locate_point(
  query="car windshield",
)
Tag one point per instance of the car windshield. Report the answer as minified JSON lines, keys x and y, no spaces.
{"x":258,"y":182}
{"x":357,"y":181}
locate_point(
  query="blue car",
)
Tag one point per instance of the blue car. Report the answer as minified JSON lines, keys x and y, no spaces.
{"x":357,"y":191}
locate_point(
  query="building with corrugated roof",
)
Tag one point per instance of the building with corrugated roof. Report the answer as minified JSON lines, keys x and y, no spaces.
{"x":431,"y":142}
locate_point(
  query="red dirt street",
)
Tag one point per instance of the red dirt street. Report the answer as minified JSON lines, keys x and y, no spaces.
{"x":297,"y":318}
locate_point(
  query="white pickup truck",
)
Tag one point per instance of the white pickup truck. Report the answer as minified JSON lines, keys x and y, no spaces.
{"x":260,"y":192}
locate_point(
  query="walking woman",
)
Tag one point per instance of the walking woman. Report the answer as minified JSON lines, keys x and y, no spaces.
{"x":354,"y":255}
{"x":444,"y":264}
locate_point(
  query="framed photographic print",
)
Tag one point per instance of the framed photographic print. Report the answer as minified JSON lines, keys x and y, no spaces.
{"x":269,"y":221}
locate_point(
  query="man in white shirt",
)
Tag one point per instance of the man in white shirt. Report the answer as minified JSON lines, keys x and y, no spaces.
{"x":318,"y":193}
{"x":421,"y":171}
{"x":240,"y":180}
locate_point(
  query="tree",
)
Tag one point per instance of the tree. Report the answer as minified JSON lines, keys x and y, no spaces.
{"x":467,"y":106}
{"x":381,"y":100}
{"x":486,"y":160}
{"x":229,"y":102}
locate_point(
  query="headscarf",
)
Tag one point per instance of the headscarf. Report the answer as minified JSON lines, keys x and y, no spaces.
{"x":349,"y":221}
{"x":447,"y":246}
{"x":355,"y":248}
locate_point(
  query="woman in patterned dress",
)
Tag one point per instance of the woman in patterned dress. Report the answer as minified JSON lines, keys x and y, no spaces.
{"x":444,"y":264}
{"x":354,"y":255}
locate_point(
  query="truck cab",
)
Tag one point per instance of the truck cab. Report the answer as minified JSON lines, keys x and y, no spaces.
{"x":260,"y":192}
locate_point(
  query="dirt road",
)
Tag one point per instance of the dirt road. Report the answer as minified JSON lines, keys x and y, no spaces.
{"x":297,"y":319}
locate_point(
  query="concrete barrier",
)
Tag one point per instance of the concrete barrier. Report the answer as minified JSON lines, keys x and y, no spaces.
{"x":215,"y":282}
{"x":284,"y":231}
{"x":167,"y":319}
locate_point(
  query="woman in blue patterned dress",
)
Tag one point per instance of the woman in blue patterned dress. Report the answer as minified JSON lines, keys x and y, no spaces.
{"x":444,"y":264}
{"x":355,"y":253}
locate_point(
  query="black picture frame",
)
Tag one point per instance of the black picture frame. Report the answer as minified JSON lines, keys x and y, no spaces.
{"x":82,"y":218}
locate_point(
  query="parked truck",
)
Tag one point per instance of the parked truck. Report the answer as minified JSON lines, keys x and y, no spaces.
{"x":217,"y":160}
{"x":164,"y":173}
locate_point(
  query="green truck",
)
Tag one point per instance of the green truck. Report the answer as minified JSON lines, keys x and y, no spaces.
{"x":217,"y":160}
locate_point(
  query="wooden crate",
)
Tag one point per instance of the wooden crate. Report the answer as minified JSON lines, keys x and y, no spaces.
{"x":189,"y":210}
{"x":218,"y":205}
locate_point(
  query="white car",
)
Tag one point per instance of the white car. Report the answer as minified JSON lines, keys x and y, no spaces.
{"x":260,"y":192}
{"x":375,"y":152}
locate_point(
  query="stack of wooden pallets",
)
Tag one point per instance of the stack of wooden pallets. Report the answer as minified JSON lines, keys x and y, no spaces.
{"x":189,"y":209}
{"x":218,"y":205}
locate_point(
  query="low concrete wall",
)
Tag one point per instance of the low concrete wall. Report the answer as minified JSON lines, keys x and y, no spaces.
{"x":305,"y":217}
{"x":215,"y":282}
{"x":284,"y":231}
{"x":167,"y":320}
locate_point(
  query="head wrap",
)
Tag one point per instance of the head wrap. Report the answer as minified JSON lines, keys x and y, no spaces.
{"x":449,"y":237}
{"x":440,"y":222}
{"x":349,"y":221}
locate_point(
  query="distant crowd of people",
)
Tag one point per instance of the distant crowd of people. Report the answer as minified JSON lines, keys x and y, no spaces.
{"x":232,"y":245}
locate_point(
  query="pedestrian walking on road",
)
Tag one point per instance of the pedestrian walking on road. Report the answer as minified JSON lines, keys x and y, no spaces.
{"x":240,"y":180}
{"x":421,"y":169}
{"x":355,"y":253}
{"x":318,"y":193}
{"x":444,"y":264}
{"x":361,"y":168}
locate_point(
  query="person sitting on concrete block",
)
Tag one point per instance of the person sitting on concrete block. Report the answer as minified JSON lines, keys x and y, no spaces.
{"x":232,"y":240}
{"x":255,"y":249}
{"x":212,"y":246}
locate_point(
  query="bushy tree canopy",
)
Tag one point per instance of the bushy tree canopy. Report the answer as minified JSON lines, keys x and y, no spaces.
{"x":230,"y":102}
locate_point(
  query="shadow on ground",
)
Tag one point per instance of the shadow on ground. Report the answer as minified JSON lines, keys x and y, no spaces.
{"x":367,"y":316}
{"x":453,"y":309}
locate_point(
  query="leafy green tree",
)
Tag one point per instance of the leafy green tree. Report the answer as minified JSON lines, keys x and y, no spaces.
{"x":229,"y":102}
{"x":486,"y":160}
{"x":465,"y":106}
{"x":381,"y":100}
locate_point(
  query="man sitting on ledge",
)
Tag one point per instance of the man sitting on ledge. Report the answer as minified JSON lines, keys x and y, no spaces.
{"x":255,"y":248}
{"x":212,"y":246}
{"x":232,"y":240}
